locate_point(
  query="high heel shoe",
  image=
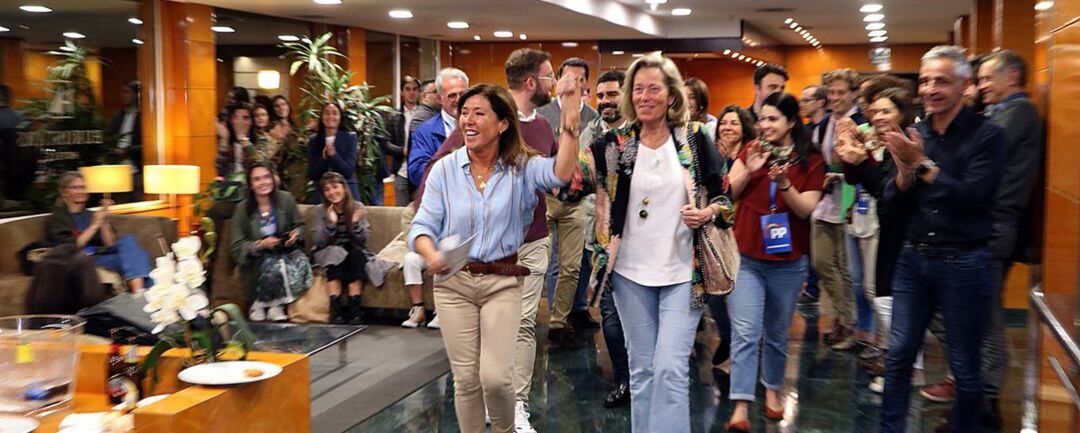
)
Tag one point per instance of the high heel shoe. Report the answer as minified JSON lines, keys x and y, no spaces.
{"x":739,"y":427}
{"x":775,"y":415}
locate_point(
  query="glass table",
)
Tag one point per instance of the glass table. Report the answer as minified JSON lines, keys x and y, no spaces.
{"x":305,"y":338}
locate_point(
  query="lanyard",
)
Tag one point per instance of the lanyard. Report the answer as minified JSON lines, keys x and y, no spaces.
{"x":772,"y":196}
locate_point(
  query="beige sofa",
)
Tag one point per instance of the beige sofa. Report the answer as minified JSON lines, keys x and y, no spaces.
{"x":385,"y":240}
{"x":18,"y":232}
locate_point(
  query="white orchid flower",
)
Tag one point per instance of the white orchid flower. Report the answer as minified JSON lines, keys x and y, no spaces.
{"x":193,"y":305}
{"x":190,"y":273}
{"x":187,"y":247}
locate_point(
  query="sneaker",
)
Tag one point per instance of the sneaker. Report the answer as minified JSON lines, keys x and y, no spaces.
{"x":941,"y":392}
{"x":277,"y":314}
{"x":434,"y":323}
{"x":878,"y":385}
{"x":521,"y":419}
{"x":257,"y":314}
{"x":805,"y":298}
{"x":487,"y":417}
{"x":416,"y":317}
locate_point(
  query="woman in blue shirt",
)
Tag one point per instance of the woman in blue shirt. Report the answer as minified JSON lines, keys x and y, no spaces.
{"x":487,"y":189}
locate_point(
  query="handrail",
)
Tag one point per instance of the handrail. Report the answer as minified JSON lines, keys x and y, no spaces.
{"x":1057,"y":328}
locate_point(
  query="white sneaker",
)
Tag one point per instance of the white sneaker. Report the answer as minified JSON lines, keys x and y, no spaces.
{"x":277,"y":314}
{"x":521,"y":419}
{"x":487,"y":417}
{"x":434,"y":323}
{"x":878,"y":385}
{"x":416,"y":317}
{"x":257,"y":314}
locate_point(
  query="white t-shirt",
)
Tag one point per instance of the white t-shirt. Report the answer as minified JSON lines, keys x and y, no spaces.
{"x":656,"y":251}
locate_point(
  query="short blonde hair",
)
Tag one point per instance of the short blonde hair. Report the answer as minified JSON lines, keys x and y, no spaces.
{"x":677,"y":113}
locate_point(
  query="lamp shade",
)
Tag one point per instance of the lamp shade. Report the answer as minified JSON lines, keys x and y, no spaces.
{"x":171,"y":179}
{"x":107,"y":178}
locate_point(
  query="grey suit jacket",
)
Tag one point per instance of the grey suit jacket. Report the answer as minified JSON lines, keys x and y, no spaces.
{"x":553,"y":114}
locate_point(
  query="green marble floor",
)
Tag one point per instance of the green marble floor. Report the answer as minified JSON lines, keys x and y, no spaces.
{"x":825,"y":391}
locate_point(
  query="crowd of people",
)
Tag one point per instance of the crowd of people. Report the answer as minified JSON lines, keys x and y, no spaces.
{"x":900,"y":204}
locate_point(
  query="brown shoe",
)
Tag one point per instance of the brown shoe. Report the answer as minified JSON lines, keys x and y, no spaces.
{"x":941,"y":392}
{"x":838,"y":334}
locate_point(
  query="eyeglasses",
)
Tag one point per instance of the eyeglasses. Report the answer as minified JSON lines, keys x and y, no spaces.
{"x":539,"y":77}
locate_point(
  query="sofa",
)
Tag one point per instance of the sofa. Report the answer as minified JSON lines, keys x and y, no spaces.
{"x":15,"y":233}
{"x":386,"y":240}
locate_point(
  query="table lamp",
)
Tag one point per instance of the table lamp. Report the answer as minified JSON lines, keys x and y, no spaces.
{"x":172,"y":180}
{"x":107,"y":179}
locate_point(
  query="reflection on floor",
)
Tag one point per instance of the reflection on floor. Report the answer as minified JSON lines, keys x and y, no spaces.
{"x":826,"y":391}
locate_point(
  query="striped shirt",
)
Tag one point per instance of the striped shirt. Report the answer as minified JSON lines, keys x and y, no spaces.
{"x":500,"y":214}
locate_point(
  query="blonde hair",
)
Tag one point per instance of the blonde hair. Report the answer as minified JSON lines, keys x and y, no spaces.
{"x":677,"y":114}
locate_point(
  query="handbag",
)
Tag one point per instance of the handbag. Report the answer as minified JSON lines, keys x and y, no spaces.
{"x":313,"y":306}
{"x":715,"y":250}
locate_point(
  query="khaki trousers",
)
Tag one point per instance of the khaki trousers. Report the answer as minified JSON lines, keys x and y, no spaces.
{"x":480,"y":314}
{"x":567,"y":221}
{"x":828,"y":259}
{"x":534,"y":255}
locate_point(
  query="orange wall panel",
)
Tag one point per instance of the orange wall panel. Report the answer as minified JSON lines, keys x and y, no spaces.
{"x":120,"y":67}
{"x":806,"y":64}
{"x":729,"y":81}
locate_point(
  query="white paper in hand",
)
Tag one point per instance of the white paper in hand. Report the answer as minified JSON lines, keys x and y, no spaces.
{"x":455,"y":253}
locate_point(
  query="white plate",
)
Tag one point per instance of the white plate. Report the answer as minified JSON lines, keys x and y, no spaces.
{"x":150,"y":400}
{"x":228,"y":373}
{"x":17,"y":424}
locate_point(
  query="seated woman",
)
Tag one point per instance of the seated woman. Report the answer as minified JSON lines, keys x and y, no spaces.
{"x":71,"y":222}
{"x":333,"y":148}
{"x":341,"y":234}
{"x":267,"y":244}
{"x":65,"y":282}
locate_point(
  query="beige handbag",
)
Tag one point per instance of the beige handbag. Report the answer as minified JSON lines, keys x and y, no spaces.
{"x":715,"y":250}
{"x":313,"y":306}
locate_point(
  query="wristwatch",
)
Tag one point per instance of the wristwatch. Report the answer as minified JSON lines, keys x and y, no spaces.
{"x":924,"y":167}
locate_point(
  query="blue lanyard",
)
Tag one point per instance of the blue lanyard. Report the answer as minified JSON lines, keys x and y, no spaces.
{"x":772,"y":196}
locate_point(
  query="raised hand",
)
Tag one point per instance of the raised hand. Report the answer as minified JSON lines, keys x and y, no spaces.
{"x":756,"y":157}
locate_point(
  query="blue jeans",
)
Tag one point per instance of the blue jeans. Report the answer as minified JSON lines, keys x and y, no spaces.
{"x":864,"y":312}
{"x":128,"y":259}
{"x":611,"y":326}
{"x":659,"y":326}
{"x":957,"y":282}
{"x":762,"y":303}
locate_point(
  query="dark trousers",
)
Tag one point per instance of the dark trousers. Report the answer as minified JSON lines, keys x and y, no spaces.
{"x":613,"y":337}
{"x":957,"y":282}
{"x":350,"y":270}
{"x":581,"y":296}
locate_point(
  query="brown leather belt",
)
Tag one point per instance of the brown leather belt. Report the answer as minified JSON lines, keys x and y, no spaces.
{"x":506,"y":266}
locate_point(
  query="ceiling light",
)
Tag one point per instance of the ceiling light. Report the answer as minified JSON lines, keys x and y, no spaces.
{"x":476,"y":37}
{"x":655,"y":4}
{"x":798,"y":29}
{"x":741,"y":57}
{"x":569,"y":44}
{"x":54,"y":53}
{"x":35,"y":9}
{"x":288,"y":38}
{"x":457,"y":24}
{"x":877,"y":33}
{"x":875,"y":26}
{"x":1044,"y":5}
{"x":327,"y":2}
{"x":135,"y":21}
{"x":793,"y":25}
{"x":67,"y":48}
{"x":638,"y":55}
{"x":4,"y":29}
{"x":223,"y":29}
{"x":726,"y":52}
{"x":618,"y":52}
{"x":873,"y":18}
{"x":681,"y":12}
{"x":74,"y":35}
{"x":880,"y":39}
{"x":503,"y":34}
{"x":137,"y":41}
{"x":523,"y":37}
{"x":870,"y":8}
{"x":400,"y":14}
{"x":734,"y":54}
{"x":789,"y":20}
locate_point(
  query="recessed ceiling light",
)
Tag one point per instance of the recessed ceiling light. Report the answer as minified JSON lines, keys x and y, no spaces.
{"x":734,"y":54}
{"x":288,"y":38}
{"x":793,"y":24}
{"x":870,"y":8}
{"x":35,"y":9}
{"x":137,"y":41}
{"x":503,"y":34}
{"x":523,"y":37}
{"x":135,"y":21}
{"x":681,"y":12}
{"x":400,"y":14}
{"x":223,"y":29}
{"x":726,"y":52}
{"x":618,"y":53}
{"x":798,"y":29}
{"x":638,"y":55}
{"x":328,"y":2}
{"x":740,"y":57}
{"x":875,"y":26}
{"x":873,"y":18}
{"x":476,"y":37}
{"x":1044,"y":5}
{"x":4,"y":29}
{"x":74,"y":35}
{"x":569,"y":44}
{"x":789,"y":20}
{"x":67,"y":48}
{"x":457,"y":24}
{"x":877,"y":33}
{"x":880,"y":39}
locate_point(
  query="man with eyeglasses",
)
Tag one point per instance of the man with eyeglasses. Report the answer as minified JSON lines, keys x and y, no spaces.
{"x":947,"y":171}
{"x":812,"y":106}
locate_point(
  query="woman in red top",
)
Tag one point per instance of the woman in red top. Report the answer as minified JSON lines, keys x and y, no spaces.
{"x":777,"y":181}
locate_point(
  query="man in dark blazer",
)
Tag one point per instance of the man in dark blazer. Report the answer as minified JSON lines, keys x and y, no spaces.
{"x":126,"y":127}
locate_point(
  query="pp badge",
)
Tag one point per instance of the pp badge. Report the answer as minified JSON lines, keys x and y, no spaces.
{"x":775,"y":230}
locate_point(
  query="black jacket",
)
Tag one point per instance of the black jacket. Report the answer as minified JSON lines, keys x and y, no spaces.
{"x":1024,"y":148}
